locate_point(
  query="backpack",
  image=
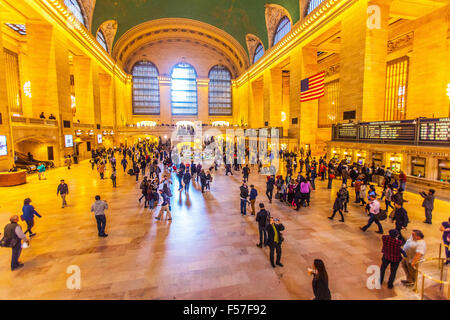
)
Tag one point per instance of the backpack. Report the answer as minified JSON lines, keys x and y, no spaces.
{"x":267,"y":218}
{"x":142,"y":186}
{"x":8,"y":242}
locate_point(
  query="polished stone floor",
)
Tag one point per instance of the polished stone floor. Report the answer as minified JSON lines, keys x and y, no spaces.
{"x":207,"y":252}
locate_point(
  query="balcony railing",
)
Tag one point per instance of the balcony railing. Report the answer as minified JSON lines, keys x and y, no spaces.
{"x":34,"y":121}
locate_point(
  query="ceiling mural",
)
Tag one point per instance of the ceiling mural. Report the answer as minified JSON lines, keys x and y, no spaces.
{"x":236,"y":17}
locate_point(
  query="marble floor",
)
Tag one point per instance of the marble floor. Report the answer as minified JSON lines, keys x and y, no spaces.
{"x":207,"y":252}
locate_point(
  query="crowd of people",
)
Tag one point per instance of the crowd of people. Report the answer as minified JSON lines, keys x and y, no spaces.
{"x":152,"y":166}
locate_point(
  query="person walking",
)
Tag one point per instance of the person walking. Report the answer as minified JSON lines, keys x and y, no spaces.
{"x":274,"y":240}
{"x":374,"y":210}
{"x":63,"y":190}
{"x":246,"y":172}
{"x":68,"y":162}
{"x":202,"y":176}
{"x":428,"y":204}
{"x":402,"y":180}
{"x":415,"y":249}
{"x":337,"y":207}
{"x":99,"y":207}
{"x":269,"y":187}
{"x":186,"y":180}
{"x":12,"y":238}
{"x":124,"y":163}
{"x":263,"y":218}
{"x":243,"y":197}
{"x":388,"y":194}
{"x":41,"y":171}
{"x":101,"y":170}
{"x":392,"y":247}
{"x":253,"y":195}
{"x":28,"y":215}
{"x":164,"y":205}
{"x":320,"y":281}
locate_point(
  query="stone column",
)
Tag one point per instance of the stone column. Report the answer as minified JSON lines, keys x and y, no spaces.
{"x":106,"y":103}
{"x":308,"y":110}
{"x":363,"y":59}
{"x":165,"y":101}
{"x":7,"y":161}
{"x":294,"y":86}
{"x":83,"y":89}
{"x":202,"y":98}
{"x":273,"y":96}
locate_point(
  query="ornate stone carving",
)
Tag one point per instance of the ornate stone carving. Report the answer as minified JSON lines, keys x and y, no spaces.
{"x":274,"y":13}
{"x":400,"y":42}
{"x":332,"y":70}
{"x":109,"y":29}
{"x":88,"y":12}
{"x":252,"y":42}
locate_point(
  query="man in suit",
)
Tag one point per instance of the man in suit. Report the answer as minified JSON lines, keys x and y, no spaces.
{"x":428,"y":204}
{"x":274,"y":240}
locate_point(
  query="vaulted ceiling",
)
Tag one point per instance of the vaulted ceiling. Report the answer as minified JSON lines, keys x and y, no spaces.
{"x":236,"y":17}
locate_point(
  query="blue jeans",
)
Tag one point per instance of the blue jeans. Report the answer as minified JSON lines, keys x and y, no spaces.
{"x":372,"y":219}
{"x":243,"y":206}
{"x":330,"y":183}
{"x":101,"y":223}
{"x":186,"y":186}
{"x":313,"y":183}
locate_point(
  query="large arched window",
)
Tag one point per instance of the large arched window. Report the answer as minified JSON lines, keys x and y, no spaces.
{"x":219,"y":94}
{"x":313,"y":4}
{"x":145,"y":88}
{"x":75,"y":8}
{"x":184,"y":90}
{"x":259,"y":52}
{"x":101,"y":40}
{"x":284,"y":26}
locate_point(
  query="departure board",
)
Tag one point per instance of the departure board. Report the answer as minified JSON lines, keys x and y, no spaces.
{"x":347,"y":131}
{"x":388,"y":130}
{"x":435,"y":130}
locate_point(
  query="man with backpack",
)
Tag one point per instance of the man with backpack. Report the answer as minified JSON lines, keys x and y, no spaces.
{"x":263,"y":219}
{"x":13,"y":236}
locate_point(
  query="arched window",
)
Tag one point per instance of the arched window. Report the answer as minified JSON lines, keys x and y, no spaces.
{"x":75,"y":8}
{"x":219,"y":93}
{"x":145,"y":88}
{"x":184,"y":90}
{"x":313,"y":4}
{"x":284,"y":26}
{"x":259,"y":52}
{"x":101,"y":40}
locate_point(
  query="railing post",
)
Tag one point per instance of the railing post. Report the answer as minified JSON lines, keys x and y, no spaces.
{"x":423,"y":287}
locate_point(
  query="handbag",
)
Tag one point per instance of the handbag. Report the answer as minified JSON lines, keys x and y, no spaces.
{"x":381,"y":215}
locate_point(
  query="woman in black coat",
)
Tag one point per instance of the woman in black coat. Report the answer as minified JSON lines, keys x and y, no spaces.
{"x":320,"y":281}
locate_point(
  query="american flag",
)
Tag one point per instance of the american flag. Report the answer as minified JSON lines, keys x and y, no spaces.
{"x":313,"y":87}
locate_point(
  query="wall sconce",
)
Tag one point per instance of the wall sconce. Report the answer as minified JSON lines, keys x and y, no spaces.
{"x":27,"y":89}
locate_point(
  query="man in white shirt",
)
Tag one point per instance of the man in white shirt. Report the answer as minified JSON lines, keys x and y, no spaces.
{"x":415,"y":248}
{"x":374,"y":210}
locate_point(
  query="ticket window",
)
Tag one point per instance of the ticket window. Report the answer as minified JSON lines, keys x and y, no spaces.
{"x":418,"y":166}
{"x":348,"y":158}
{"x":360,"y":159}
{"x":396,"y":163}
{"x":444,"y":170}
{"x":377,"y":158}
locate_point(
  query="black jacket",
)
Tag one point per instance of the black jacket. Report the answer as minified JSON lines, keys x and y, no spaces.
{"x":244,"y":192}
{"x":401,"y":218}
{"x":271,"y":233}
{"x":261,"y":218}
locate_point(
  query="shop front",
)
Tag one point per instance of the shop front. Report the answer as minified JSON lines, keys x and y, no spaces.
{"x":418,"y":167}
{"x":395,"y":162}
{"x":444,"y":171}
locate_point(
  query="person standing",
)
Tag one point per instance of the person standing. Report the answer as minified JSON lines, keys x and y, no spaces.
{"x":320,"y":281}
{"x":274,"y":240}
{"x":63,"y":190}
{"x":445,"y":228}
{"x":114,"y":177}
{"x":401,"y":219}
{"x":243,"y":197}
{"x":164,"y":205}
{"x":202,"y":176}
{"x":392,"y":247}
{"x":99,"y":207}
{"x":13,"y":237}
{"x":415,"y":249}
{"x":253,"y":195}
{"x":428,"y":204}
{"x":374,"y":210}
{"x":402,"y":180}
{"x":269,"y":187}
{"x":263,"y":218}
{"x":358,"y":184}
{"x":331,"y":176}
{"x":28,"y":215}
{"x":388,"y":194}
{"x":246,"y":172}
{"x":208,"y":180}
